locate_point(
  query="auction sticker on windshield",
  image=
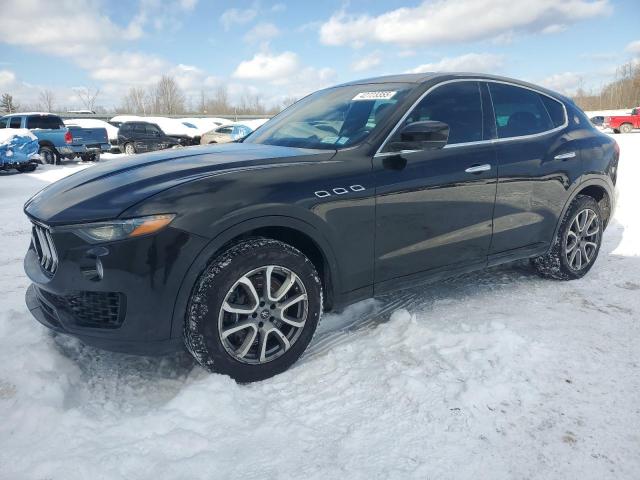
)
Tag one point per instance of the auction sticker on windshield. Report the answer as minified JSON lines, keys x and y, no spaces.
{"x":382,"y":95}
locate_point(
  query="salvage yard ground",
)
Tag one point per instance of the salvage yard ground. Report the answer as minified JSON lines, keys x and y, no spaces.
{"x":497,"y":375}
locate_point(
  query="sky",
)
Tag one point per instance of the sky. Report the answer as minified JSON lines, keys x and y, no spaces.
{"x":283,"y":49}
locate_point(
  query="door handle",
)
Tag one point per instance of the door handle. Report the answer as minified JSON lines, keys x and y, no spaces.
{"x":478,"y":168}
{"x":564,"y":156}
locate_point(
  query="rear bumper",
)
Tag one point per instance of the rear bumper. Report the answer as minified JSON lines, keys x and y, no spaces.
{"x":84,"y":149}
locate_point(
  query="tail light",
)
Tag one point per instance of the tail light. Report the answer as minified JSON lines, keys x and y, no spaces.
{"x":68,"y":138}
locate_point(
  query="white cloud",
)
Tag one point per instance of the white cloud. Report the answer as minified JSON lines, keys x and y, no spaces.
{"x":265,"y":66}
{"x":470,"y":62}
{"x":567,"y":82}
{"x":237,"y":16}
{"x":52,"y":34}
{"x":457,"y":21}
{"x":366,"y":62}
{"x":262,"y":32}
{"x":553,"y":28}
{"x":633,"y":47}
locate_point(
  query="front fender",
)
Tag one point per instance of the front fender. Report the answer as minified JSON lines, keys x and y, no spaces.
{"x":208,"y":253}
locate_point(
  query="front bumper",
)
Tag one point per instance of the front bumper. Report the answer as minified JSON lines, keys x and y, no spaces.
{"x":130,"y":307}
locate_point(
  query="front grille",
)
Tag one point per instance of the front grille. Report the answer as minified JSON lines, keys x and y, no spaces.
{"x":91,"y":309}
{"x":45,"y":248}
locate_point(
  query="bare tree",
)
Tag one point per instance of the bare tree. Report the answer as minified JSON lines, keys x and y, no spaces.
{"x":7,"y":105}
{"x":88,"y":96}
{"x":47,"y":98}
{"x":168,"y":98}
{"x":622,"y":92}
{"x":136,"y":101}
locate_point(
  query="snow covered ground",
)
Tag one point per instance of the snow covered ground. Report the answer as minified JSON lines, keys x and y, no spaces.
{"x":497,"y":375}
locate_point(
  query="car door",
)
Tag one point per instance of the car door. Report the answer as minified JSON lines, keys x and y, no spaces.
{"x":536,"y":161}
{"x":140,"y":137}
{"x":154,"y":136}
{"x":434,"y":208}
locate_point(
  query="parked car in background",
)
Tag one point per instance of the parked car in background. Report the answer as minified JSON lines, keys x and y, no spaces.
{"x":598,"y":120}
{"x":623,"y":123}
{"x":18,"y":149}
{"x":58,"y":141}
{"x":204,"y":124}
{"x":231,"y":132}
{"x":112,"y":132}
{"x":187,"y":135}
{"x":236,"y":250}
{"x":140,"y":137}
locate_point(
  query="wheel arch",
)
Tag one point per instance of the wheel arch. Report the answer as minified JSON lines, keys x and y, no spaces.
{"x":48,"y":143}
{"x":596,"y":188}
{"x":295,"y":232}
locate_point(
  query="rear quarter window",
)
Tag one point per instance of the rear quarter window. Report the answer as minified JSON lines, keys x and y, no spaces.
{"x":555,"y":110}
{"x":15,"y":122}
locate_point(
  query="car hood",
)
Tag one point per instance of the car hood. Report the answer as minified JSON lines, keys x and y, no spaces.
{"x":104,"y":191}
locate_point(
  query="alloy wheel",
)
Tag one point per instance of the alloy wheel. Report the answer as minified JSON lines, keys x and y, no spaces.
{"x":263,"y":314}
{"x":128,"y":149}
{"x":582,"y":239}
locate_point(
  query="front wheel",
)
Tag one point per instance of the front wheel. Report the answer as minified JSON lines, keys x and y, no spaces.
{"x":253,"y":310}
{"x":577,"y":243}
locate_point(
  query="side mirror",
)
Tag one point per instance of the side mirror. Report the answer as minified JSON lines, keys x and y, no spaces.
{"x":427,"y":135}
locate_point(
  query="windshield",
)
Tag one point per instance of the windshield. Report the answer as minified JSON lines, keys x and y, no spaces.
{"x":334,"y":118}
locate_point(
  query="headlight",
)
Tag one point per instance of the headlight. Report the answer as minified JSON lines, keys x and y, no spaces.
{"x":121,"y":229}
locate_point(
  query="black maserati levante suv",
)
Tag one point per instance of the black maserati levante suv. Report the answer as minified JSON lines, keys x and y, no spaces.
{"x":236,"y":250}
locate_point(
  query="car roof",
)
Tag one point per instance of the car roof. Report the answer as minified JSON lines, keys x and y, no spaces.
{"x":435,"y":77}
{"x":21,"y":114}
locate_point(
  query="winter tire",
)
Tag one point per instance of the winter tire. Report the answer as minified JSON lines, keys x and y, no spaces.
{"x":48,"y":155}
{"x":129,"y":149}
{"x":577,"y":243}
{"x":253,"y":310}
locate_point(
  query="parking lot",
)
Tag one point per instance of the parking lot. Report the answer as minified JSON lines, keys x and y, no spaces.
{"x":499,"y":374}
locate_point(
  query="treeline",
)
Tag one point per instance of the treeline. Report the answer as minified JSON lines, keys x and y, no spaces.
{"x":622,"y":92}
{"x":162,"y":98}
{"x":167,"y":98}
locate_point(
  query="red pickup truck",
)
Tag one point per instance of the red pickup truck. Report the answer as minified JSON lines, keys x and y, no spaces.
{"x":623,"y":123}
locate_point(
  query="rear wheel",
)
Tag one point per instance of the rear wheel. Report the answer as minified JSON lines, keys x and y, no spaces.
{"x":48,"y":155}
{"x":90,"y":157}
{"x":129,"y":149}
{"x":254,"y":310}
{"x":626,"y":128}
{"x":577,"y":243}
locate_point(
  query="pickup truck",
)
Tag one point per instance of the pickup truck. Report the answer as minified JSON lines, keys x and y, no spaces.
{"x":58,"y":141}
{"x":623,"y":123}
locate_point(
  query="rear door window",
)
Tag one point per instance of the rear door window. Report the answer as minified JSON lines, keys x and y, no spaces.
{"x":518,"y":111}
{"x":457,"y":104}
{"x":15,"y":122}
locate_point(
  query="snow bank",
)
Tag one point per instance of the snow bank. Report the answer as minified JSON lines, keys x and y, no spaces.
{"x":497,"y":374}
{"x":8,"y":134}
